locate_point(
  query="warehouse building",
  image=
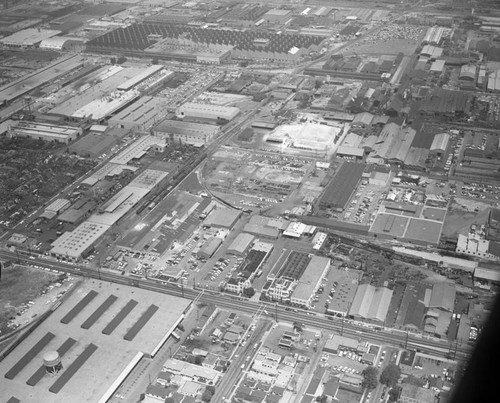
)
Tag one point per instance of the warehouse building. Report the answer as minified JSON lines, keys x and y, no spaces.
{"x":207,"y":112}
{"x":222,"y":218}
{"x":45,"y":131}
{"x":432,"y":52}
{"x":261,"y":231}
{"x":440,"y":144}
{"x":196,"y":134}
{"x":209,"y":247}
{"x":241,"y":244}
{"x":468,"y":73}
{"x":371,"y":303}
{"x":442,"y":297}
{"x":494,"y":81}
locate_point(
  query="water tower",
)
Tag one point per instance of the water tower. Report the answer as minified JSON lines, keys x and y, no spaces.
{"x":52,"y":362}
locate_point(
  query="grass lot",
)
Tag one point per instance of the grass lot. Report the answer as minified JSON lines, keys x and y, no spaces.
{"x":18,"y":286}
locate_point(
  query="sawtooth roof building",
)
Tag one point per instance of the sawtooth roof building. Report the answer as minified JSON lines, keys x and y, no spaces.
{"x":371,"y":303}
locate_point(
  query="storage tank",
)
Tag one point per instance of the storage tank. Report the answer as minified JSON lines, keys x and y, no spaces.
{"x":52,"y":362}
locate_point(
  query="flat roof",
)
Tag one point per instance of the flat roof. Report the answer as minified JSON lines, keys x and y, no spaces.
{"x":487,"y":274}
{"x":425,"y":231}
{"x":389,"y":225}
{"x":93,"y":378}
{"x":222,"y":217}
{"x":140,"y":77}
{"x":102,"y":107}
{"x":313,"y":273}
{"x":29,"y":37}
{"x":74,"y":243}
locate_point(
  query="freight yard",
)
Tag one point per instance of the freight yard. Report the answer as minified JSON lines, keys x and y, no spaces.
{"x":234,"y":202}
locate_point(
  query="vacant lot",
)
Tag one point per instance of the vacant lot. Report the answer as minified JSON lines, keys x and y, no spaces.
{"x":18,"y":286}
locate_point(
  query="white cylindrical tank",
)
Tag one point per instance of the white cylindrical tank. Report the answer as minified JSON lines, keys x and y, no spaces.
{"x":52,"y":362}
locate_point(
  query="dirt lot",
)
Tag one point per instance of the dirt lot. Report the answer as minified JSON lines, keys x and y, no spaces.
{"x":461,"y":216}
{"x":391,"y":47}
{"x":19,"y":286}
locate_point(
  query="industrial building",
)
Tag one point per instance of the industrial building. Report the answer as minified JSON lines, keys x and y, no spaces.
{"x":73,"y":245}
{"x":64,"y":43}
{"x":468,"y":73}
{"x":196,"y":134}
{"x":434,"y":35}
{"x":21,"y":86}
{"x":138,"y":149}
{"x":207,"y":112}
{"x":140,"y":78}
{"x":241,"y":244}
{"x":222,"y":217}
{"x":310,"y":280}
{"x":340,"y":189}
{"x":371,"y":303}
{"x":442,"y":297}
{"x":101,"y":108}
{"x":432,"y":52}
{"x":415,"y":394}
{"x":209,"y":247}
{"x":494,"y":81}
{"x":139,"y":116}
{"x":139,"y":40}
{"x":446,"y":103}
{"x":440,"y":144}
{"x":45,"y":131}
{"x":28,"y":38}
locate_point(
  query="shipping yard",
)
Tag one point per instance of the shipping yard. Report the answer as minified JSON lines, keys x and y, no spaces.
{"x":247,"y":202}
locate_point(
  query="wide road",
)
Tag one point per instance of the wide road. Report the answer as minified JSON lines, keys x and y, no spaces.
{"x":346,"y":327}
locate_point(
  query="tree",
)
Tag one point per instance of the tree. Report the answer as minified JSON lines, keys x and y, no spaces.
{"x":198,"y":359}
{"x":370,"y":375}
{"x":249,"y":292}
{"x":122,"y":59}
{"x":207,"y":394}
{"x":322,"y":399}
{"x":394,"y":393}
{"x":390,"y":375}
